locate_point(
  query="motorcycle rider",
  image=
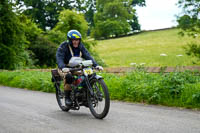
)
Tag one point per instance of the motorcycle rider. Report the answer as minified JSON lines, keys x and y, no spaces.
{"x":73,"y":47}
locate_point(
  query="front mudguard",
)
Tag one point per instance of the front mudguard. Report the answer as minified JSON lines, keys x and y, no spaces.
{"x":98,"y":77}
{"x":88,"y":80}
{"x":95,"y":76}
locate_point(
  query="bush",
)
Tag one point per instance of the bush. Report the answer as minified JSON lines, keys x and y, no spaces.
{"x":171,"y":89}
{"x":180,"y":89}
{"x":193,"y":49}
{"x":44,"y":52}
{"x":110,"y":28}
{"x":69,"y":20}
{"x":56,"y":37}
{"x":33,"y":80}
{"x":112,"y":19}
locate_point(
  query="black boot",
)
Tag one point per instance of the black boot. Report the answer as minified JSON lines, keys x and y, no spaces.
{"x":68,"y":100}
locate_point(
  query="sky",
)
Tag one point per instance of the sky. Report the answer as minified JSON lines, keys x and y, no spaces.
{"x":158,"y":14}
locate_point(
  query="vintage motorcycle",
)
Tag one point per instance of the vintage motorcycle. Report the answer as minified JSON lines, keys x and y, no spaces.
{"x":88,"y":89}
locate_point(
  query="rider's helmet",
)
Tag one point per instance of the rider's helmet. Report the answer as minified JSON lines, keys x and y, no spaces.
{"x":73,"y":34}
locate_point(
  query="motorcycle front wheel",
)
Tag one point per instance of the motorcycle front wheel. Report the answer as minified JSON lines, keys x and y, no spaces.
{"x":99,"y":103}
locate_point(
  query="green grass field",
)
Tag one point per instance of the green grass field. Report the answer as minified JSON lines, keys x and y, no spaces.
{"x":146,"y":47}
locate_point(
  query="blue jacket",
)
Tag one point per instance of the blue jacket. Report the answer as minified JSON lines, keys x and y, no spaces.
{"x":63,"y":55}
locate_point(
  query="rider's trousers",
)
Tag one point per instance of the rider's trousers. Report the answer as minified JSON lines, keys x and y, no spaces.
{"x":63,"y":74}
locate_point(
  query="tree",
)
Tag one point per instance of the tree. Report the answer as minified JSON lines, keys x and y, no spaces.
{"x":90,"y":11}
{"x":88,"y":7}
{"x":68,"y":20}
{"x":189,"y":22}
{"x":42,"y":50}
{"x":12,"y":39}
{"x":44,"y":12}
{"x":30,"y":28}
{"x":112,"y":18}
{"x":134,"y":23}
{"x":138,"y":3}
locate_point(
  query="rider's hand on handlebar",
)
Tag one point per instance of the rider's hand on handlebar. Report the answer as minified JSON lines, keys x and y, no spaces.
{"x":99,"y":68}
{"x":65,"y":70}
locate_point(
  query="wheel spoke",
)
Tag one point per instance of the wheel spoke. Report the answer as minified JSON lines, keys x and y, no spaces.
{"x":61,"y":98}
{"x":98,"y":98}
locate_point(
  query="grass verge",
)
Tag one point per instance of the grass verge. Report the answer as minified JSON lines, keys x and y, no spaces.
{"x":180,"y":89}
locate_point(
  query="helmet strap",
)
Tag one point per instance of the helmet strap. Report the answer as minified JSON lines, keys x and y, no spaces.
{"x":72,"y":53}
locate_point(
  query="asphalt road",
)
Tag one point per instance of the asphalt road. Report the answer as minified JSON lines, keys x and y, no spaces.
{"x":23,"y":111}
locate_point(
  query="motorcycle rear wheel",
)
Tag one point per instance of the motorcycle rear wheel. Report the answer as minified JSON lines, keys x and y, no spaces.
{"x":60,"y":97}
{"x":99,"y":104}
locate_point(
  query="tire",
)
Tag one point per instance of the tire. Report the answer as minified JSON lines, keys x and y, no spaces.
{"x":60,"y":99}
{"x":99,"y":98}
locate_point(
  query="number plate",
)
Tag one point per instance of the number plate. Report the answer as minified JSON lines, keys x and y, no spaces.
{"x":88,"y":71}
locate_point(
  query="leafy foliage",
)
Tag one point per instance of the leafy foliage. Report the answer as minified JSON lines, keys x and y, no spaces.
{"x":12,"y":39}
{"x":180,"y":89}
{"x":138,"y":2}
{"x":88,"y":7}
{"x":135,"y":24}
{"x":189,"y":22}
{"x":69,"y":20}
{"x":173,"y":89}
{"x":110,"y":27}
{"x":30,"y":28}
{"x":44,"y":52}
{"x":45,"y":13}
{"x":56,"y":36}
{"x":33,"y":80}
{"x":114,"y":18}
{"x":192,"y":49}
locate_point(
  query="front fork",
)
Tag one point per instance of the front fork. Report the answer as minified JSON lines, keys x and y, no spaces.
{"x":89,"y":86}
{"x":97,"y":77}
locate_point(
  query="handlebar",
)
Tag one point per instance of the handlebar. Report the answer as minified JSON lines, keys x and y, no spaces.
{"x":78,"y":69}
{"x":74,"y":69}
